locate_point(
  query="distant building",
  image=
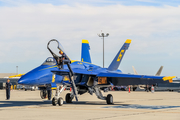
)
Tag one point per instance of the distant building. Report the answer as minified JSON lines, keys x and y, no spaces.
{"x":5,"y":76}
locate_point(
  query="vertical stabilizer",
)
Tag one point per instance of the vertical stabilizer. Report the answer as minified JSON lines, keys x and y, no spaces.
{"x":117,"y":60}
{"x":135,"y":72}
{"x":85,"y":55}
{"x":159,"y":71}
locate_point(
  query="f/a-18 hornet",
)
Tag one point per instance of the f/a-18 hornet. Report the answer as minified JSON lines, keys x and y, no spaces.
{"x":85,"y":77}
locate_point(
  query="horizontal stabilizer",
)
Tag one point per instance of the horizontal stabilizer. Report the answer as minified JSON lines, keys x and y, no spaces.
{"x":117,"y":60}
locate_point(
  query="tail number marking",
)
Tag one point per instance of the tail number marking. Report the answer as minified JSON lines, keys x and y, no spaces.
{"x":53,"y":78}
{"x":120,"y":55}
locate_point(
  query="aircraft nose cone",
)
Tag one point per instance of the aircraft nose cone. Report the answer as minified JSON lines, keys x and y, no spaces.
{"x":23,"y":81}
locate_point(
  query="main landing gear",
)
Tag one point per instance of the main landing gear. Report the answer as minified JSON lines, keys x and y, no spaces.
{"x":109,"y":98}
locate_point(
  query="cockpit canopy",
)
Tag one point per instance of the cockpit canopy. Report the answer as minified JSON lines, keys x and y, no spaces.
{"x":49,"y":61}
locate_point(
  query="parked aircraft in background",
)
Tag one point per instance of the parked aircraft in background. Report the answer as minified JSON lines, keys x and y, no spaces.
{"x":175,"y":85}
{"x":86,"y":77}
{"x":146,"y":87}
{"x":157,"y":74}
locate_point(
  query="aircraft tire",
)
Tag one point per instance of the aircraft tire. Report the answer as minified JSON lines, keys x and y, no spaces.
{"x":134,"y":88}
{"x":54,"y":101}
{"x":109,"y":99}
{"x":43,"y":94}
{"x":68,"y":98}
{"x":60,"y":101}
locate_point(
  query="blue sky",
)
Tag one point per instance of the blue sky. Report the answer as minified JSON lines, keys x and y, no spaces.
{"x":153,"y":25}
{"x":93,"y":2}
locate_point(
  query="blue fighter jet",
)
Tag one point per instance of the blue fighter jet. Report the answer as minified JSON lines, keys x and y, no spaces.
{"x":44,"y":78}
{"x":86,"y":77}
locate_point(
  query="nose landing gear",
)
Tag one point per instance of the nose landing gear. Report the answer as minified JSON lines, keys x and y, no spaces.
{"x":57,"y":99}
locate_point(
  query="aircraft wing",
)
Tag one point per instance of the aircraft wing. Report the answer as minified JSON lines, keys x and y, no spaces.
{"x":131,"y":79}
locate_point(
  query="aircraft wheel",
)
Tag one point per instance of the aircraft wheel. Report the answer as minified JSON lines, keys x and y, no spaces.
{"x":43,"y":94}
{"x":134,"y":88}
{"x":69,"y":98}
{"x":109,"y":99}
{"x":54,"y":101}
{"x":60,"y":101}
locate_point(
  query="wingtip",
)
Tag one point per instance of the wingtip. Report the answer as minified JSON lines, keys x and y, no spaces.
{"x":85,"y":41}
{"x":169,"y":78}
{"x":128,"y":41}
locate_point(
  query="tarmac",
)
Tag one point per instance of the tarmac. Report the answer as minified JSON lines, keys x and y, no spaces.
{"x":27,"y":105}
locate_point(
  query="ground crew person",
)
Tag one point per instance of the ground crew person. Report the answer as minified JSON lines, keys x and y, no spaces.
{"x":8,"y":88}
{"x":60,"y":60}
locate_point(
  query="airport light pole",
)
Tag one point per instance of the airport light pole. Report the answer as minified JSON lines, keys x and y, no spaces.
{"x":103,"y":35}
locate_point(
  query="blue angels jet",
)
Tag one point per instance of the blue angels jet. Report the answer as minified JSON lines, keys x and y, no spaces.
{"x":86,"y":77}
{"x":44,"y":78}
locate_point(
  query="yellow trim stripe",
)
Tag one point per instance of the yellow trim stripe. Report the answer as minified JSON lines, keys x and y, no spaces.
{"x":85,"y":41}
{"x":128,"y":41}
{"x":53,"y":88}
{"x":169,"y":78}
{"x":49,"y":67}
